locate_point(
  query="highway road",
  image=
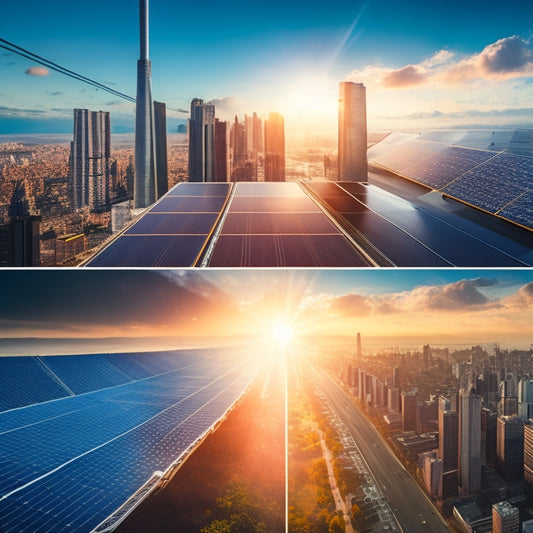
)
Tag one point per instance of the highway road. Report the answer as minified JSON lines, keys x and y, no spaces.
{"x":413,"y":510}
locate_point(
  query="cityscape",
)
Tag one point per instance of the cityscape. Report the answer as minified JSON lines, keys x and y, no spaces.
{"x":416,"y":389}
{"x":266,"y":270}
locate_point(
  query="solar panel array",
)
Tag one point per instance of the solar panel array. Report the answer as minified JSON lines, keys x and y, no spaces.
{"x":498,"y":182}
{"x":70,"y":463}
{"x":172,"y":233}
{"x":272,"y":224}
{"x":411,"y":236}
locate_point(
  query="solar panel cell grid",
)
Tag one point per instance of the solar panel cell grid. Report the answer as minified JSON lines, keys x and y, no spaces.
{"x":151,"y":251}
{"x":111,"y":443}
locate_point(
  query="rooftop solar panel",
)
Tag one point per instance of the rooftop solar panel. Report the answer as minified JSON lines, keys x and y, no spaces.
{"x":282,"y":223}
{"x":520,"y":210}
{"x":199,"y":189}
{"x":174,"y":224}
{"x":475,"y":170}
{"x":272,"y":204}
{"x":401,"y":248}
{"x":284,"y":251}
{"x":268,"y":189}
{"x":151,"y":251}
{"x":189,"y":204}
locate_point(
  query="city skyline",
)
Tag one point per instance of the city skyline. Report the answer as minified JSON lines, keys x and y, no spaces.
{"x":401,"y":306}
{"x":422,"y":67}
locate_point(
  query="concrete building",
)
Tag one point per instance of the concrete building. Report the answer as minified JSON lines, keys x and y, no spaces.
{"x":90,"y":153}
{"x":469,"y":460}
{"x":528,"y":460}
{"x":161,"y":156}
{"x":510,"y":447}
{"x":448,"y":447}
{"x":505,"y":518}
{"x":409,"y":411}
{"x":353,"y":165}
{"x":274,"y":148}
{"x":201,"y":141}
{"x":222,"y":151}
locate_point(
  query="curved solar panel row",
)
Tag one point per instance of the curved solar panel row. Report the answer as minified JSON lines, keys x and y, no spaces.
{"x":487,"y":179}
{"x":270,"y":224}
{"x":173,"y":232}
{"x":68,"y":464}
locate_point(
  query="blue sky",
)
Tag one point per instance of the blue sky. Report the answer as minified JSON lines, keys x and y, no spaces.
{"x":437,"y":306}
{"x":425,"y":64}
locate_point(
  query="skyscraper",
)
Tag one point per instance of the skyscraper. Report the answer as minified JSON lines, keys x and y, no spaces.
{"x":274,"y":148}
{"x":510,"y":447}
{"x":353,"y":164}
{"x":409,"y":411}
{"x":222,"y":137}
{"x":448,"y":447}
{"x":160,"y":126}
{"x":145,"y":157}
{"x":469,"y":442}
{"x":525,"y":398}
{"x":90,"y":153}
{"x":528,"y":460}
{"x":201,"y":141}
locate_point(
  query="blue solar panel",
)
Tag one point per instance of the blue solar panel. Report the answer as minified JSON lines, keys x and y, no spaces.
{"x":174,"y":224}
{"x":38,"y":385}
{"x":487,"y":178}
{"x":70,"y":463}
{"x":199,"y":189}
{"x":151,"y":251}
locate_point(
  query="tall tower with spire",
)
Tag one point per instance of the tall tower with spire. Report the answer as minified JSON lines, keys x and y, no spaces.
{"x":145,"y":159}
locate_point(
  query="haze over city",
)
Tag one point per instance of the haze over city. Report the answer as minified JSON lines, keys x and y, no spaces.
{"x":424,"y":66}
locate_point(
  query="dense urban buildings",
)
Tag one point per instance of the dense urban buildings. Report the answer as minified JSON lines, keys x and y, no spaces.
{"x":352,"y":139}
{"x":90,"y":160}
{"x":145,"y":149}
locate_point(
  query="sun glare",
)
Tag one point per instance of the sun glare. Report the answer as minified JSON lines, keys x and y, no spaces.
{"x":282,"y":333}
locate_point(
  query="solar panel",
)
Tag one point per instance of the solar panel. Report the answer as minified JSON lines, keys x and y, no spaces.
{"x":282,"y":223}
{"x":189,"y":211}
{"x":199,"y":189}
{"x":174,"y":224}
{"x":151,"y":251}
{"x":189,"y":204}
{"x":474,"y":170}
{"x":284,"y":251}
{"x":71,"y":463}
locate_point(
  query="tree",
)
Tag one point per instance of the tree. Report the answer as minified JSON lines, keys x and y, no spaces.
{"x":336,"y":525}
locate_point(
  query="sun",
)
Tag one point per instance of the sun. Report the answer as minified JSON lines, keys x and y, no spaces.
{"x":282,"y":333}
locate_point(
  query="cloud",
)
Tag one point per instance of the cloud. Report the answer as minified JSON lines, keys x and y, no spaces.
{"x":352,"y":305}
{"x":451,"y":297}
{"x":19,"y":112}
{"x":405,"y":77}
{"x":507,"y":58}
{"x":37,"y":71}
{"x":127,"y":301}
{"x":522,"y":299}
{"x":227,"y":102}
